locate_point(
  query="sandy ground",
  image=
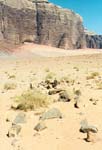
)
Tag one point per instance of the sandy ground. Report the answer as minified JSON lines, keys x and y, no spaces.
{"x":29,"y":65}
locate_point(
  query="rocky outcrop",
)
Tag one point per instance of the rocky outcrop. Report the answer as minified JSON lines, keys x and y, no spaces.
{"x":17,"y":21}
{"x":40,"y":22}
{"x":93,"y":41}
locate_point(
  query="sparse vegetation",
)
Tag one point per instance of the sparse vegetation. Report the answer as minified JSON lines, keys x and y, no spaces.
{"x":92,"y":75}
{"x":47,"y":70}
{"x":10,"y":86}
{"x":76,"y":68}
{"x":77,"y":92}
{"x":50,"y":76}
{"x":99,"y":85}
{"x":31,"y":100}
{"x":11,"y":76}
{"x":67,"y":80}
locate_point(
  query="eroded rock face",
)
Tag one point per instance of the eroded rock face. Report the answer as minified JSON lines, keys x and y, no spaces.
{"x":40,"y":22}
{"x":94,"y":41}
{"x":17,"y":22}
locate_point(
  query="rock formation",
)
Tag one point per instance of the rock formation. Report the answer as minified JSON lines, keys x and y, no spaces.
{"x":44,"y":23}
{"x":94,"y":41}
{"x":40,"y":22}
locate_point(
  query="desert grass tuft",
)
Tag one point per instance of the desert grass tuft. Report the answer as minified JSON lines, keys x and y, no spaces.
{"x":10,"y":86}
{"x":92,"y":75}
{"x":31,"y":100}
{"x":50,"y":76}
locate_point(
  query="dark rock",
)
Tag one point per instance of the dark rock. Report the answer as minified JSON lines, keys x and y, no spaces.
{"x":48,"y":86}
{"x":55,"y":91}
{"x":76,"y":105}
{"x":64,"y":97}
{"x":77,"y":98}
{"x":89,"y":130}
{"x":94,"y":101}
{"x":31,"y":86}
{"x":77,"y":101}
{"x":55,"y":83}
{"x":50,"y":114}
{"x":77,"y":92}
{"x":85,"y":127}
{"x":40,"y":126}
{"x":91,"y":137}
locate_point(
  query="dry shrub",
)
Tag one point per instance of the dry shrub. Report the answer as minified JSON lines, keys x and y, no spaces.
{"x":10,"y":86}
{"x":92,"y":75}
{"x":31,"y":100}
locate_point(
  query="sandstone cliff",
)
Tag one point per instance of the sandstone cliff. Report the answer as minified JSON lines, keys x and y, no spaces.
{"x":93,"y":41}
{"x":40,"y":22}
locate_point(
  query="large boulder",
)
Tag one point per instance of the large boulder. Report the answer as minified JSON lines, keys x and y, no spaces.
{"x":20,"y":118}
{"x":51,"y":114}
{"x":40,"y":22}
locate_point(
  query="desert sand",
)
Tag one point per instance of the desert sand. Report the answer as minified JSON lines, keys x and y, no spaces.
{"x":30,"y":64}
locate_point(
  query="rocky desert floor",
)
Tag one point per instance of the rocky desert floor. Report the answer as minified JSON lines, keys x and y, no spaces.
{"x":29,"y":68}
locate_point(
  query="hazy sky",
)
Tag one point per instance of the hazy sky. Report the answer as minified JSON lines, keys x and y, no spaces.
{"x":90,"y":10}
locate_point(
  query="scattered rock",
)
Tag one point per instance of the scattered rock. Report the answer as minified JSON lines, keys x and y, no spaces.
{"x":20,"y":118}
{"x":76,"y":105}
{"x":55,"y":91}
{"x":36,"y":134}
{"x":84,"y":124}
{"x":87,"y":128}
{"x":8,"y":120}
{"x":77,"y":102}
{"x":31,"y":86}
{"x":81,"y":113}
{"x":14,"y":131}
{"x":49,"y":84}
{"x":64,"y":97}
{"x":55,"y":83}
{"x":94,"y":101}
{"x":91,"y":137}
{"x":40,"y":126}
{"x":90,"y":130}
{"x":77,"y":92}
{"x":50,"y":114}
{"x":14,"y":106}
{"x":14,"y":142}
{"x":91,"y":99}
